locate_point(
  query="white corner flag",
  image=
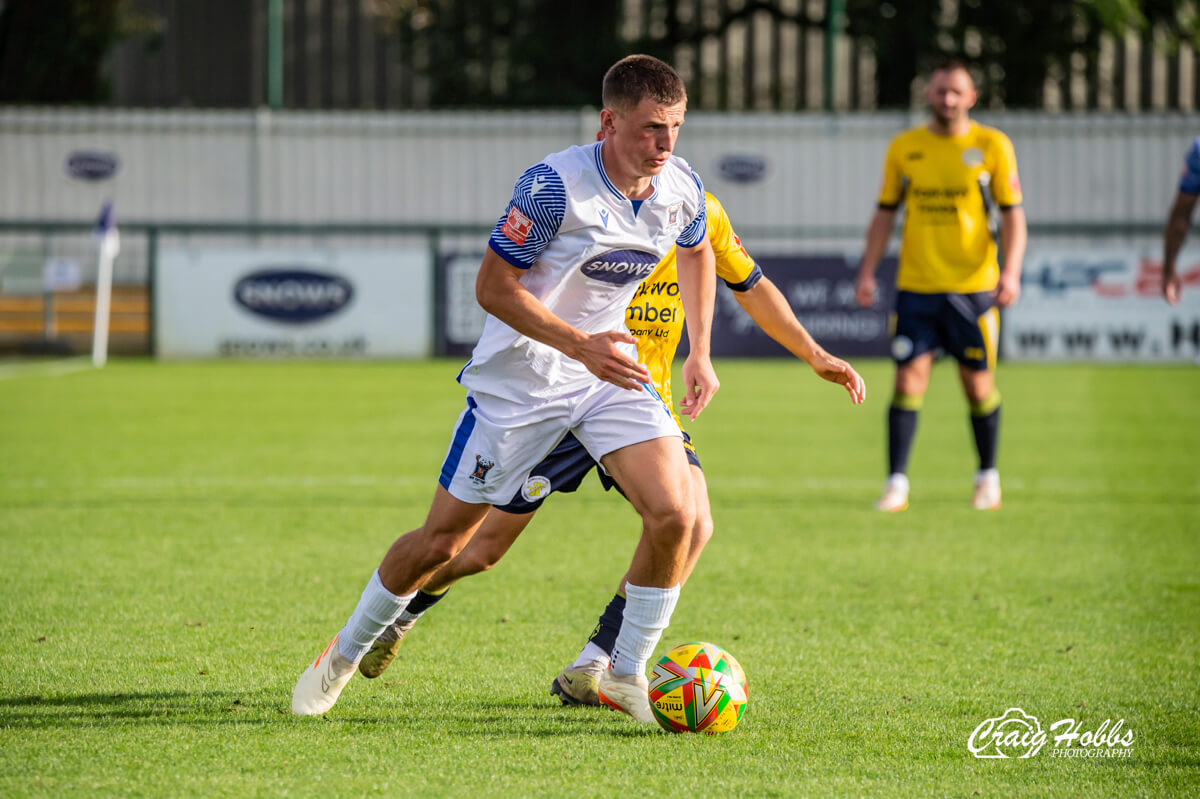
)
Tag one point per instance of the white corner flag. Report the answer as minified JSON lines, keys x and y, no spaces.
{"x":109,"y":244}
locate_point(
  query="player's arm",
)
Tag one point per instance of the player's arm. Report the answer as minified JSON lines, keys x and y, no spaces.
{"x":499,"y":291}
{"x":1005,"y":188}
{"x":1178,"y":222}
{"x":878,"y":234}
{"x":1013,"y":236}
{"x":770,"y":310}
{"x":697,"y":291}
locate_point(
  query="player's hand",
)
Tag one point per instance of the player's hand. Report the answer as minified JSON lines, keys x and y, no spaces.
{"x":603,"y":358}
{"x":835,"y":370}
{"x":699,"y":384}
{"x":1172,"y":287}
{"x":864,"y":289}
{"x":1008,"y":290}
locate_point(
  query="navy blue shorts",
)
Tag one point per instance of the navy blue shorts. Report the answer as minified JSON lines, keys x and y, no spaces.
{"x":563,"y":470}
{"x":966,"y":326}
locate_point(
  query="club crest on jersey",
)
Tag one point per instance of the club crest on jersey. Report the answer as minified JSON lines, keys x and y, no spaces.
{"x":673,"y":214}
{"x":482,"y":467}
{"x":620,"y":267}
{"x":535,"y":488}
{"x":517,"y":226}
{"x":972,"y":157}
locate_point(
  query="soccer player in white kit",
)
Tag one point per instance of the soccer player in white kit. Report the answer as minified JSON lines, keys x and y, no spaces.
{"x":584,"y":227}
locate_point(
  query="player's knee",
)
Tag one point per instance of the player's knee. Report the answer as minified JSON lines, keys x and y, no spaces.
{"x":478,"y":559}
{"x":911,"y":384}
{"x":701,"y":532}
{"x":441,"y":548}
{"x":671,"y":522}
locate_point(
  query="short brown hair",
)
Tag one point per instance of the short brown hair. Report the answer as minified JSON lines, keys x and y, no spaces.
{"x":636,"y":77}
{"x":951,"y":64}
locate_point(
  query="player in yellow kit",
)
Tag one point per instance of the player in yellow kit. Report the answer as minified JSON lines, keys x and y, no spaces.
{"x":954,"y":175}
{"x":655,"y":318}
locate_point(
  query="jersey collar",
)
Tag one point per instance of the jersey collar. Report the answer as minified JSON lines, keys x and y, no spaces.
{"x":609,"y":183}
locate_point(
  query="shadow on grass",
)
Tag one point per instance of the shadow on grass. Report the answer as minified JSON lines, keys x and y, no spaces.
{"x":486,"y":718}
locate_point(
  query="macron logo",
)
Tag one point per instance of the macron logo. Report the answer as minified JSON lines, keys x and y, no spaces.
{"x":538,"y":184}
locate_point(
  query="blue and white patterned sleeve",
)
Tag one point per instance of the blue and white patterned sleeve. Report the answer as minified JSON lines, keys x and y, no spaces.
{"x":534,"y":215}
{"x":695,"y":232}
{"x":1189,"y":181}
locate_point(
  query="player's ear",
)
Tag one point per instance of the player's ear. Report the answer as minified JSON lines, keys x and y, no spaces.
{"x":608,"y":118}
{"x":930,"y":96}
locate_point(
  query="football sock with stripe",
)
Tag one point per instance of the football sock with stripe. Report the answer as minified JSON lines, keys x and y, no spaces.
{"x":377,"y":608}
{"x":902,"y":429}
{"x":422,"y":602}
{"x":985,"y":423}
{"x":647,"y":613}
{"x":602,"y":640}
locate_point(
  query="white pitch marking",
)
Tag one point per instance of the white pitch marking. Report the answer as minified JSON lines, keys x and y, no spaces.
{"x":9,"y":371}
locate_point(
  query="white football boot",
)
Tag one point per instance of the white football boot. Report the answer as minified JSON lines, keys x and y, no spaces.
{"x":895,"y":494}
{"x":628,"y":693}
{"x":987,"y":490}
{"x":319,"y":686}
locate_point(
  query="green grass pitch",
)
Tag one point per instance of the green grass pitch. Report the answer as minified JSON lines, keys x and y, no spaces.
{"x":179,"y":539}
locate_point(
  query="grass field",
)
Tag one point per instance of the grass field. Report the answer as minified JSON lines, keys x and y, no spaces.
{"x":179,"y":539}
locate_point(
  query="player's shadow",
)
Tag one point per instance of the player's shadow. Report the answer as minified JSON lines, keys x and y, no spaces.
{"x":167,"y":708}
{"x":497,"y":718}
{"x":482,"y":719}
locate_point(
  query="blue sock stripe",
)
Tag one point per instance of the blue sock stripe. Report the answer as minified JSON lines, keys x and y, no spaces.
{"x":465,"y":427}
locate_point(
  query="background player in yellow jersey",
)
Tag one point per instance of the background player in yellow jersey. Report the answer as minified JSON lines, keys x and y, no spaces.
{"x":655,"y":318}
{"x":954,"y":175}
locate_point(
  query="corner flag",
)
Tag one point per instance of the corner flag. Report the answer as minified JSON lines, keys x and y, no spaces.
{"x":109,"y":244}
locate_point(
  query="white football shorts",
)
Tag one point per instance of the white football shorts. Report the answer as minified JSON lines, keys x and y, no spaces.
{"x":496,"y":442}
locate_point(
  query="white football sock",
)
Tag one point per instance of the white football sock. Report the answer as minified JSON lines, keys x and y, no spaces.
{"x":590,"y":654}
{"x":647,"y":614}
{"x":377,"y":608}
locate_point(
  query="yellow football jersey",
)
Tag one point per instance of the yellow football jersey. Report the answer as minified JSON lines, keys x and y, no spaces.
{"x":950,"y":185}
{"x":655,"y":315}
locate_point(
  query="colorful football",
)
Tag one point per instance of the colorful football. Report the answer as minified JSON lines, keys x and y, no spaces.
{"x":698,"y":687}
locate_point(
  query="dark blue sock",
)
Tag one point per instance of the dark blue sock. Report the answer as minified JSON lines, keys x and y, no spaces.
{"x":902,"y":429}
{"x":987,"y":437}
{"x":423,"y":602}
{"x":605,"y":634}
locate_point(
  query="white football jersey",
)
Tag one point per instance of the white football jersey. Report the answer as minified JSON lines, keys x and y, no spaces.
{"x":585,"y":248}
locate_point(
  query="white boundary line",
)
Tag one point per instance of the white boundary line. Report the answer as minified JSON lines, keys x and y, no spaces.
{"x":12,"y":370}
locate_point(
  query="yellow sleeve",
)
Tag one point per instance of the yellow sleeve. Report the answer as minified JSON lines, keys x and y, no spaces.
{"x":1006,"y":186}
{"x":891,"y":193}
{"x":734,"y":264}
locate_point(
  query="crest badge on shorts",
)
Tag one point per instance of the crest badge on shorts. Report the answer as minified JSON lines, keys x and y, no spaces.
{"x":535,"y":488}
{"x":483,"y":465}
